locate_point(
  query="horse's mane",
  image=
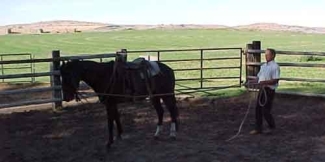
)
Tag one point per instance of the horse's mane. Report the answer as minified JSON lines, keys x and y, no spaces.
{"x":99,"y":67}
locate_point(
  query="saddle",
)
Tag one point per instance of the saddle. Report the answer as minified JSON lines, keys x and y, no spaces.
{"x":138,"y":77}
{"x":151,"y":67}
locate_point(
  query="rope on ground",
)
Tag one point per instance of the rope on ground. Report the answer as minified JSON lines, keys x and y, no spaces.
{"x":261,"y":103}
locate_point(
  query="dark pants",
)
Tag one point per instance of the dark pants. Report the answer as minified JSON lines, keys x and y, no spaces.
{"x":264,"y":110}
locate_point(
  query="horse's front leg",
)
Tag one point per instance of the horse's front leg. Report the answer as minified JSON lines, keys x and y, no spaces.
{"x":118,"y":123}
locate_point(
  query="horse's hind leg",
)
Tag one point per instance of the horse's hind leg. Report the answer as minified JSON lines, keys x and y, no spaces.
{"x":118,"y":124}
{"x":170,"y":102}
{"x":110,"y":131}
{"x":110,"y":123}
{"x":160,"y":112}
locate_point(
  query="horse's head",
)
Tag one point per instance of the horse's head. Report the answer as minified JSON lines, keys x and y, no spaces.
{"x":70,"y":74}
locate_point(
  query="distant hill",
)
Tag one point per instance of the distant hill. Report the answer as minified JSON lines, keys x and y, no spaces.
{"x":280,"y":27}
{"x":161,"y":26}
{"x":60,"y":26}
{"x":67,"y":26}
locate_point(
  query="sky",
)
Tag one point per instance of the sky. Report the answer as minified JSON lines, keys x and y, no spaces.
{"x":222,"y":12}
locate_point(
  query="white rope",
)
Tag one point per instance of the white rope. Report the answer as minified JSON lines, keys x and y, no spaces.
{"x":262,"y":93}
{"x":243,"y":121}
{"x":262,"y":104}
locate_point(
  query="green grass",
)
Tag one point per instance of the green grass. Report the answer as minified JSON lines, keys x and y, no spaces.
{"x":90,"y":43}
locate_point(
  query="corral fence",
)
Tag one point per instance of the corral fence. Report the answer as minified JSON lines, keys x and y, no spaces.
{"x":199,"y":59}
{"x":205,"y":59}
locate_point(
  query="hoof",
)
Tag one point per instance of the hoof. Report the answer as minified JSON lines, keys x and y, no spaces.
{"x":172,"y":137}
{"x":155,"y":137}
{"x":108,"y":145}
{"x":119,"y":137}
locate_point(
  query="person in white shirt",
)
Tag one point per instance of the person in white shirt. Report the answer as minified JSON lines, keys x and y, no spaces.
{"x":268,"y":79}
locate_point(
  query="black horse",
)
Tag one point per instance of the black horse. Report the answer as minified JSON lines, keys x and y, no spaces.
{"x":114,"y":79}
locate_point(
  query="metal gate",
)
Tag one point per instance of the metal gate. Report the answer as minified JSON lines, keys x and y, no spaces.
{"x":17,"y":68}
{"x":200,"y":70}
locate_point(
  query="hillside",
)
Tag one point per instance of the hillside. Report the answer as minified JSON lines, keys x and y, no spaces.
{"x":51,"y":27}
{"x":66,"y":26}
{"x":280,"y":27}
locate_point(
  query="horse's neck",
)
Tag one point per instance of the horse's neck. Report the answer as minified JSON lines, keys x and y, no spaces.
{"x":95,"y":79}
{"x":91,"y":82}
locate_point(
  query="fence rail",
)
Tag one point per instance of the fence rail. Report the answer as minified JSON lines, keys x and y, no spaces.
{"x":29,"y":75}
{"x":205,"y":59}
{"x":294,"y":79}
{"x":212,"y":68}
{"x":184,"y":50}
{"x":63,"y":58}
{"x":288,"y":52}
{"x":32,"y":90}
{"x":289,"y":64}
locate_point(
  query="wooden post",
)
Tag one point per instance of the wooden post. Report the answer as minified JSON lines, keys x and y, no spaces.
{"x":256,"y":56}
{"x":252,"y":70}
{"x":201,"y":68}
{"x":249,"y":58}
{"x":56,"y":81}
{"x":124,"y":53}
{"x":121,"y":56}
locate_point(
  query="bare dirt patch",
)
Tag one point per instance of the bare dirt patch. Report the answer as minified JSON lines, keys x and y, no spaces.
{"x":77,"y":133}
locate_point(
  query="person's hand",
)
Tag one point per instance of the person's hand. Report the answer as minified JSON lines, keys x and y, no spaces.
{"x":249,"y":84}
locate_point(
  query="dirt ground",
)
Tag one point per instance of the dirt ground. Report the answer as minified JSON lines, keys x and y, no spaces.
{"x":77,"y":133}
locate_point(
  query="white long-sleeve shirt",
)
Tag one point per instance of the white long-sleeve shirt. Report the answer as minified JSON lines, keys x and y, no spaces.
{"x":269,"y":70}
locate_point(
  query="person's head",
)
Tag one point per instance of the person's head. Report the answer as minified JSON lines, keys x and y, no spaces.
{"x":270,"y":54}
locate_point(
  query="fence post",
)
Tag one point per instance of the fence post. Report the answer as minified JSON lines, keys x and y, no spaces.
{"x":252,"y":70}
{"x":201,"y":68}
{"x":56,"y":81}
{"x":123,"y":55}
{"x":256,"y":56}
{"x":158,"y":55}
{"x":2,"y":68}
{"x":249,"y":58}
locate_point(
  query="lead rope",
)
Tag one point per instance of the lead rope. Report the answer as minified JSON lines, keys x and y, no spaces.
{"x":263,"y":93}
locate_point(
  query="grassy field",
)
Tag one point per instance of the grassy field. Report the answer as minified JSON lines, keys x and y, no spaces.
{"x":88,"y":43}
